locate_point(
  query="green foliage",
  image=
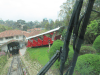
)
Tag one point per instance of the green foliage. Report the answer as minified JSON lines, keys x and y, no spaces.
{"x":70,"y":56}
{"x":93,"y":27}
{"x":44,"y":30}
{"x":3,"y":28}
{"x":47,"y":25}
{"x":25,"y":28}
{"x":39,"y":54}
{"x":63,"y":32}
{"x":96,"y":44}
{"x":3,"y":60}
{"x":87,"y":50}
{"x":69,"y":59}
{"x":88,"y":64}
{"x":93,"y":30}
{"x":51,"y":24}
{"x":56,"y":46}
{"x":58,"y":23}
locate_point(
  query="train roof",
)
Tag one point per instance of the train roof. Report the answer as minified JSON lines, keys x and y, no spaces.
{"x":56,"y":29}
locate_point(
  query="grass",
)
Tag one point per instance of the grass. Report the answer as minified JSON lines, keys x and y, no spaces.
{"x":39,"y":54}
{"x":3,"y":60}
{"x":70,"y":47}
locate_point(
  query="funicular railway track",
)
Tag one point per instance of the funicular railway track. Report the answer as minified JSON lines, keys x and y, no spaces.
{"x":15,"y":67}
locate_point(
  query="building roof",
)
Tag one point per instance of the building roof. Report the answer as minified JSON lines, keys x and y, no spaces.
{"x":27,"y":34}
{"x":34,"y":33}
{"x":35,"y":29}
{"x":30,"y":30}
{"x":9,"y":33}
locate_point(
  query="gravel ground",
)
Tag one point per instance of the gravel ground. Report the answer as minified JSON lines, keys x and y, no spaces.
{"x":33,"y":67}
{"x":22,"y":51}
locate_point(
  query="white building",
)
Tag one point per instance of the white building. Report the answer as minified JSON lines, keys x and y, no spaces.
{"x":9,"y":36}
{"x":20,"y":36}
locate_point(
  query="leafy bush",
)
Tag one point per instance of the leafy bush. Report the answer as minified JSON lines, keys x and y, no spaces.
{"x":87,"y":50}
{"x":88,"y":64}
{"x":70,"y":56}
{"x":3,"y":60}
{"x":56,"y":46}
{"x":93,"y":30}
{"x":96,"y":44}
{"x":69,"y":59}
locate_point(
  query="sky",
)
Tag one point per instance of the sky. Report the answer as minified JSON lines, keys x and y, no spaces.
{"x":30,"y":10}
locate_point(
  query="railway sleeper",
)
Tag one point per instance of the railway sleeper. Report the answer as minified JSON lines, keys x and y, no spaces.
{"x":15,"y":68}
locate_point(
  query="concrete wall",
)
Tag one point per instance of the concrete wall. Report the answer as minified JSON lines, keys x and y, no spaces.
{"x":5,"y":47}
{"x":14,"y":38}
{"x":22,"y":44}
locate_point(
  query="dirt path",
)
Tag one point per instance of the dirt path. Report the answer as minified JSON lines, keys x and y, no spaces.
{"x":5,"y":69}
{"x":33,"y":67}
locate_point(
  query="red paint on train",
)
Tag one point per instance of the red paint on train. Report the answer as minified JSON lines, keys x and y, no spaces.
{"x":32,"y":42}
{"x":39,"y":42}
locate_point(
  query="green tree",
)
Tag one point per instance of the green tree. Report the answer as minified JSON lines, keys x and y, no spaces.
{"x":93,"y":30}
{"x":96,"y":44}
{"x":51,"y":24}
{"x":47,"y":26}
{"x":57,"y":24}
{"x":25,"y":28}
{"x":3,"y":28}
{"x":66,"y":11}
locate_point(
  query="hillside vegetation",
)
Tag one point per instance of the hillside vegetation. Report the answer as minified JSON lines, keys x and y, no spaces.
{"x":3,"y":60}
{"x":39,"y":54}
{"x":3,"y":28}
{"x":87,"y":63}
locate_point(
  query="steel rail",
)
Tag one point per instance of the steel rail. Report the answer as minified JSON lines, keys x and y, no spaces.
{"x":19,"y":70}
